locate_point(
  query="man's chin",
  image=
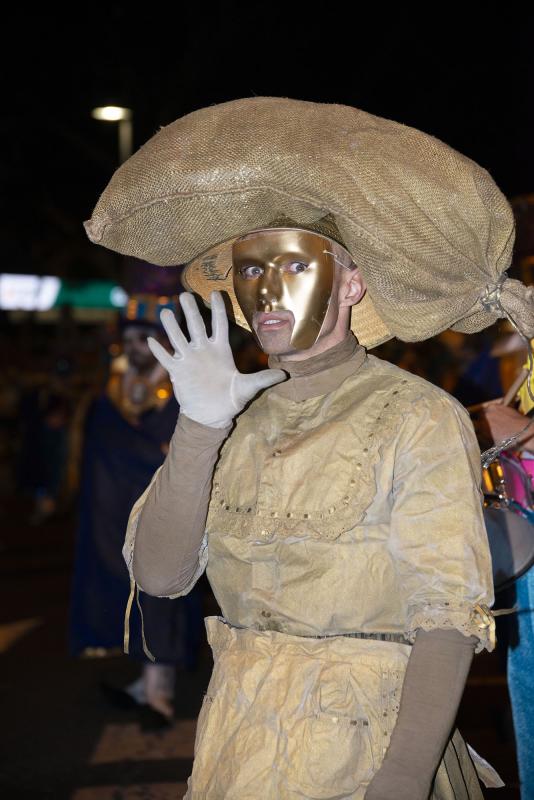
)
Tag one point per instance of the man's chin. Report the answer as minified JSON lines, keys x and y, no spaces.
{"x":274,"y":344}
{"x":142,"y":363}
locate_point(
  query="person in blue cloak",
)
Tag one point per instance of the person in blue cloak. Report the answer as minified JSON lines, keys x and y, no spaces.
{"x":126,"y":437}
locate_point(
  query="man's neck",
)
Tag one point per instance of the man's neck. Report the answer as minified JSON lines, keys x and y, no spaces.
{"x":151,"y":372}
{"x":318,"y":362}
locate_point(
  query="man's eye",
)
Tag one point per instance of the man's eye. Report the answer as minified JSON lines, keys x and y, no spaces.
{"x":296,"y":267}
{"x":251,"y":272}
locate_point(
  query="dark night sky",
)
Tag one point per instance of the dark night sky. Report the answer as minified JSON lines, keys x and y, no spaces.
{"x":468,"y":82}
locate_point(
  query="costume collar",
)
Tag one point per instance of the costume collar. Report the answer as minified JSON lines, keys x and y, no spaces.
{"x":319,"y":374}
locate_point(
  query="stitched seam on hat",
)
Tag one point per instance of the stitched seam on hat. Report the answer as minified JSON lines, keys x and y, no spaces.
{"x":312,"y":202}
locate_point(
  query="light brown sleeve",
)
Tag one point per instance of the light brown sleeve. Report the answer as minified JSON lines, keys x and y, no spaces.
{"x":169,"y":527}
{"x":433,"y":686}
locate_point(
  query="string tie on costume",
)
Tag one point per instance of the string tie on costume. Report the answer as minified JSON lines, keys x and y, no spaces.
{"x":484,"y":618}
{"x":134,"y":593}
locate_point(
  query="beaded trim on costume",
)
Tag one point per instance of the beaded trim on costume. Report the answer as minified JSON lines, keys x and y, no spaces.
{"x":250,"y":522}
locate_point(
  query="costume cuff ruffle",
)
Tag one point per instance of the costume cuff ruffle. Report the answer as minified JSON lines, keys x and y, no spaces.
{"x":471,"y":620}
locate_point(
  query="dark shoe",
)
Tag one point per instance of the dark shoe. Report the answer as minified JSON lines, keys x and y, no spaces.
{"x":118,"y":698}
{"x":152,"y":720}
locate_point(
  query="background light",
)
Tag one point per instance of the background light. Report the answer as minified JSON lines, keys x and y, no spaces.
{"x":28,"y":292}
{"x":111,"y":113}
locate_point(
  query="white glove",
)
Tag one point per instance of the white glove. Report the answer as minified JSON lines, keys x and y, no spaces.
{"x":206,"y":383}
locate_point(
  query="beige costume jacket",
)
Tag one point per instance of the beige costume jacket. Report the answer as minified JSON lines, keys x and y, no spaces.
{"x":340,"y":523}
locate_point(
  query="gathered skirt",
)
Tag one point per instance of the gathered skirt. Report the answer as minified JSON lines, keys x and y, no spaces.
{"x":289,"y":718}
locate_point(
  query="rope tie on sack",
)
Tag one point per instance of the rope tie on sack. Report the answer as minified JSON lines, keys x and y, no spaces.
{"x":491,"y":296}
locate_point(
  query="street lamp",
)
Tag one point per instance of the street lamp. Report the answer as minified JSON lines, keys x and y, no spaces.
{"x":124,"y":117}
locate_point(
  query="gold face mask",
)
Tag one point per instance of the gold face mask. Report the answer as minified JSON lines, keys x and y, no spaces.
{"x":284,"y":277}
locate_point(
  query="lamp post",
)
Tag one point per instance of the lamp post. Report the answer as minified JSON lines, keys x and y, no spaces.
{"x":125,"y":127}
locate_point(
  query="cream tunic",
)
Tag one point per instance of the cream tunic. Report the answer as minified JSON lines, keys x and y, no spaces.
{"x":352,"y":511}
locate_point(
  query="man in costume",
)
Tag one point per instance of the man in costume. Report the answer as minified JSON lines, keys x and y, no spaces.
{"x":127,"y":432}
{"x":342,"y":530}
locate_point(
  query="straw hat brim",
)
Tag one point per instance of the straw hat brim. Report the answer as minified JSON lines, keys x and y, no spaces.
{"x":212,"y":271}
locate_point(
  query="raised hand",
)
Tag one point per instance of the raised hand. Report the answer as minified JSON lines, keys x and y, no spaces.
{"x":206,"y":382}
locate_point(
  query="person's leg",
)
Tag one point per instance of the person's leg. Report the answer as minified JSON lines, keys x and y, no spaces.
{"x":137,"y":690}
{"x":521,"y":683}
{"x":159,"y":680}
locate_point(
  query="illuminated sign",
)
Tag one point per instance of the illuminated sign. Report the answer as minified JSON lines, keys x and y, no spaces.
{"x":41,"y":293}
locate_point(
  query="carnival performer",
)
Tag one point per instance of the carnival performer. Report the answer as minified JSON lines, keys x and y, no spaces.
{"x":342,"y":529}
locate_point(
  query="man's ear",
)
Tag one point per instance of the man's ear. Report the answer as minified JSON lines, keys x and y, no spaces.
{"x":352,"y":288}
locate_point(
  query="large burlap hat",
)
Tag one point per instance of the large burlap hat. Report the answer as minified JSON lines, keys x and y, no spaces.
{"x":427,"y":226}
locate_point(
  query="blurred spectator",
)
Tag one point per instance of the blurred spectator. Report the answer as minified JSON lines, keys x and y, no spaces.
{"x":504,"y":421}
{"x":126,"y":438}
{"x":45,"y":414}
